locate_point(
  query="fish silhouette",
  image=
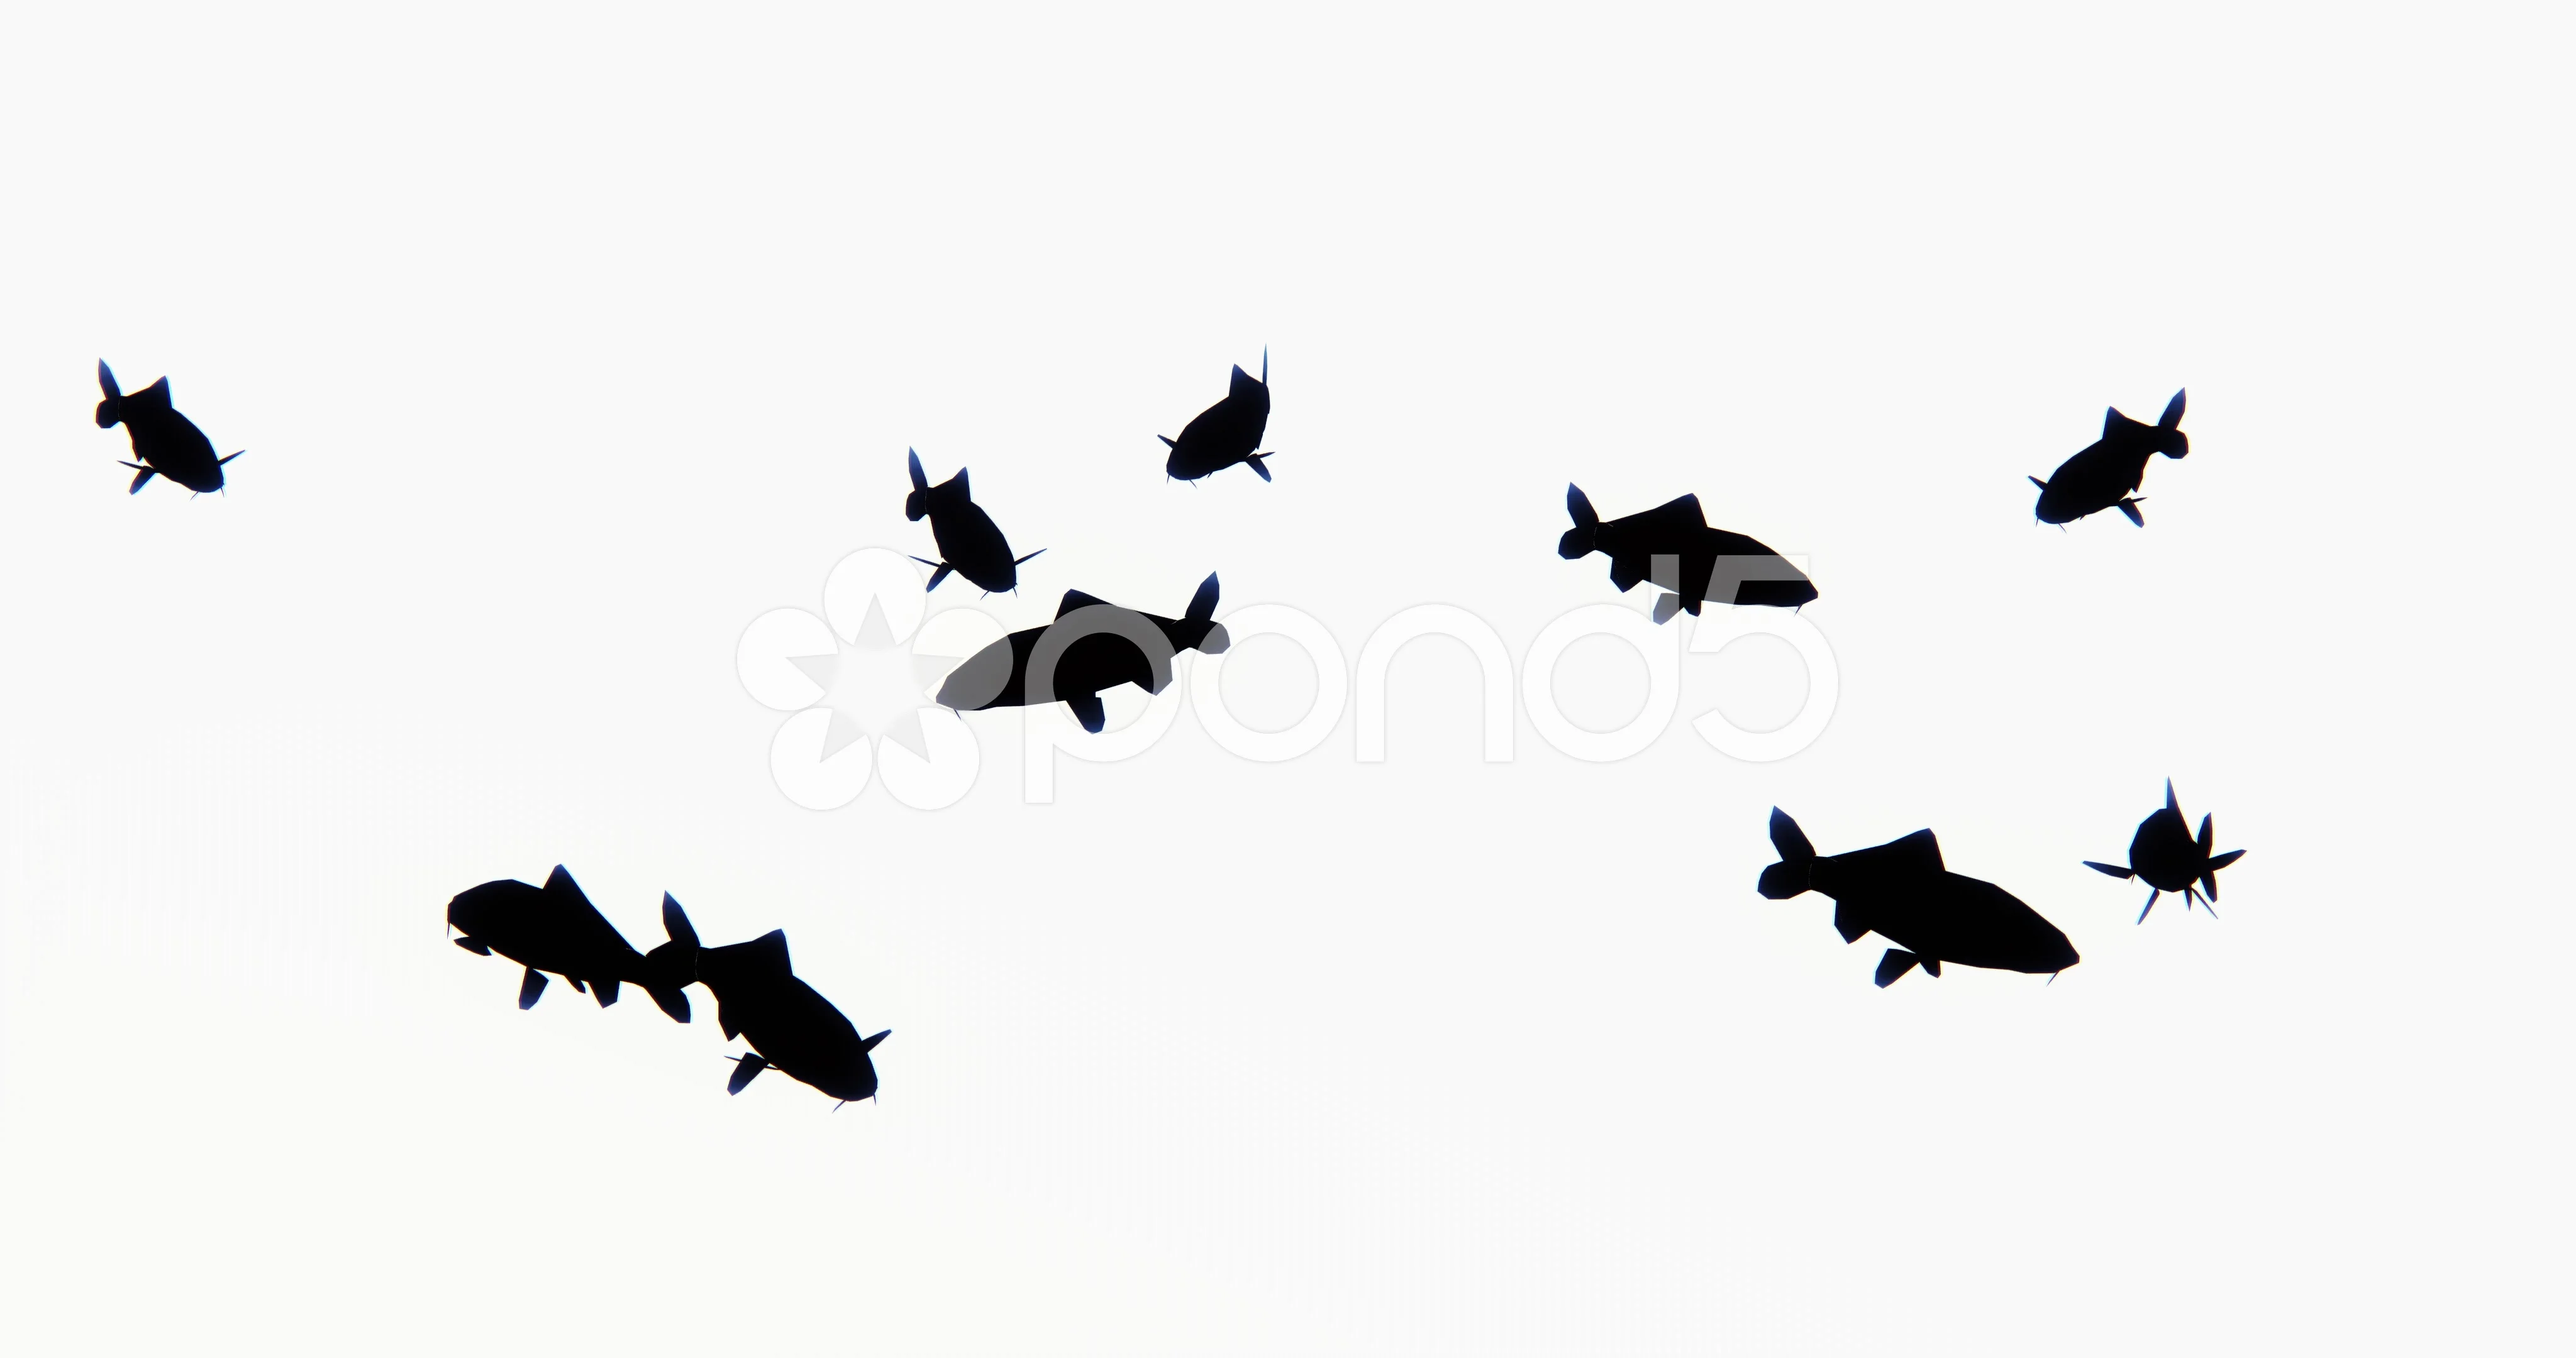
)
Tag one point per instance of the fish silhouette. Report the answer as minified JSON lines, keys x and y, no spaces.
{"x":1091,"y":646}
{"x":969,"y":541}
{"x":1713,"y":565}
{"x":2108,"y":472}
{"x":1227,"y":432}
{"x":788,"y":1023}
{"x":556,"y":928}
{"x":2164,"y":852}
{"x":1901,"y":891}
{"x":165,"y":442}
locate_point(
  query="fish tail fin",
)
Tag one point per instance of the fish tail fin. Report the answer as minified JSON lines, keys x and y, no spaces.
{"x":108,"y":412}
{"x":670,"y":968}
{"x":1578,"y":540}
{"x":1895,"y":963}
{"x":1791,"y":874}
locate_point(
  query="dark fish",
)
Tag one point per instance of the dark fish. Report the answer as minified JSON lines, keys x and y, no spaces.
{"x":165,"y":442}
{"x":787,"y":1022}
{"x":2165,"y":853}
{"x":1091,"y":646}
{"x":1227,"y":432}
{"x":1901,"y":891}
{"x":1714,"y":565}
{"x":2106,"y":474}
{"x":969,"y":541}
{"x":556,"y":928}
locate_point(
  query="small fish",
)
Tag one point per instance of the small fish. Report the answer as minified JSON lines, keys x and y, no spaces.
{"x":1227,"y":432}
{"x":1714,"y":565}
{"x":1901,"y":891}
{"x":2108,"y":472}
{"x":2165,"y":853}
{"x":1092,"y":645}
{"x":556,"y":928}
{"x":969,"y":541}
{"x":165,"y":441}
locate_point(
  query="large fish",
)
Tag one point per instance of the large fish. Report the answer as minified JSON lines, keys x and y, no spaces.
{"x":1092,"y":645}
{"x":1902,"y":892}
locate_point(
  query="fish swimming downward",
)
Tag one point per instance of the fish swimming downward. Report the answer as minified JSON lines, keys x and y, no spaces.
{"x":788,"y":1024}
{"x":1227,"y":432}
{"x":1902,"y":892}
{"x":166,"y":443}
{"x":970,"y":543}
{"x":2108,"y":472}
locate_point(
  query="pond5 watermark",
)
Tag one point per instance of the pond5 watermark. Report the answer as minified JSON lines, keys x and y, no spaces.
{"x":856,"y":680}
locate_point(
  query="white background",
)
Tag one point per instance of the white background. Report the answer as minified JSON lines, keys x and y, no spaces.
{"x":565,"y":344}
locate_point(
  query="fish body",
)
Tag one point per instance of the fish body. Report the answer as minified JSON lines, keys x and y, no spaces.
{"x":1225,"y":433}
{"x":970,"y":543}
{"x":1673,"y":547}
{"x":789,"y":1025}
{"x":2169,"y":857}
{"x":555,"y":928}
{"x":2108,"y":472}
{"x":165,"y":442}
{"x":1092,"y":646}
{"x":1903,"y":892}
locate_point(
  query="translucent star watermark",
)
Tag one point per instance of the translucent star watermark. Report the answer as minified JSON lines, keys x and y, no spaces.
{"x":856,"y":683}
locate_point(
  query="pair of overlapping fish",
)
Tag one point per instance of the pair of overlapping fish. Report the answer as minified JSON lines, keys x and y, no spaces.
{"x":787,"y":1023}
{"x":1904,"y":893}
{"x":1091,"y":645}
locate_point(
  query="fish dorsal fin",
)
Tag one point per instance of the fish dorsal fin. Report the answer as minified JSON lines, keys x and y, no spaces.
{"x":1244,"y":383}
{"x":769,"y":953}
{"x":1682,"y":509}
{"x":158,"y":394}
{"x":1076,"y":599}
{"x":1924,"y":847}
{"x":560,"y":883}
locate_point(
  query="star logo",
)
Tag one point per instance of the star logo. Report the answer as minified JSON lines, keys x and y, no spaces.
{"x":856,"y":683}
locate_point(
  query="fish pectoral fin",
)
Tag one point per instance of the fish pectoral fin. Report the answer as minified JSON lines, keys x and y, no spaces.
{"x":473,"y":945}
{"x":747,"y":1068}
{"x":1088,"y":710}
{"x":2123,"y":874}
{"x":1894,"y":964}
{"x":530,"y":987}
{"x":140,"y":476}
{"x":2130,"y":508}
{"x":1666,"y":606}
{"x":1932,"y":967}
